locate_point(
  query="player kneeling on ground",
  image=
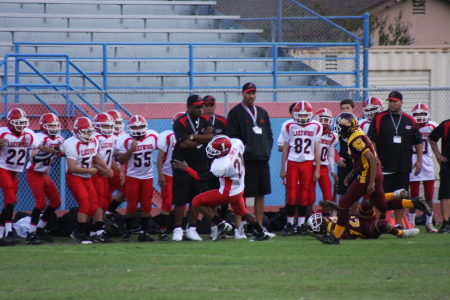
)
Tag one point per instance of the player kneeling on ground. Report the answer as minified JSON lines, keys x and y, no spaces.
{"x":228,"y":165}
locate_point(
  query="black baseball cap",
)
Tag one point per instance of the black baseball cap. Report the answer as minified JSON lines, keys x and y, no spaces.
{"x":395,"y":96}
{"x":248,"y":87}
{"x":194,"y":100}
{"x":209,"y":99}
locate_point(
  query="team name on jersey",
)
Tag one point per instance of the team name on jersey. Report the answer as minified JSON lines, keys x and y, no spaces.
{"x":326,"y":142}
{"x":107,"y":145}
{"x":302,"y":133}
{"x":18,"y":144}
{"x":144,"y":147}
{"x":87,"y":152}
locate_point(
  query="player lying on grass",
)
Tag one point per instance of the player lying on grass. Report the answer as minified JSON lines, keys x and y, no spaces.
{"x":366,"y":225}
{"x":228,"y":165}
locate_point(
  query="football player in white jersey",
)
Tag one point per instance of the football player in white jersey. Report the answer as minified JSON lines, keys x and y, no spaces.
{"x":82,"y":152}
{"x":41,"y":185}
{"x":228,"y":165}
{"x":166,"y":144}
{"x":421,"y":113}
{"x":117,"y":182}
{"x":135,"y":152}
{"x":15,"y":140}
{"x":103,"y":125}
{"x":327,"y":144}
{"x":371,"y":107}
{"x":301,"y":148}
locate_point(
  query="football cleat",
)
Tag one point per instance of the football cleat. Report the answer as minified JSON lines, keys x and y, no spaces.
{"x":260,"y":236}
{"x":398,"y":226}
{"x":213,"y":232}
{"x":222,"y":229}
{"x":83,"y":239}
{"x":110,"y":220}
{"x":32,"y":239}
{"x":101,"y":238}
{"x":401,"y":194}
{"x":420,"y":204}
{"x":177,"y":234}
{"x":410,"y":232}
{"x":430,"y":228}
{"x":288,"y":229}
{"x":271,"y":234}
{"x":11,"y":239}
{"x":301,"y":230}
{"x":192,"y":234}
{"x":162,"y":235}
{"x":445,"y":227}
{"x":44,"y":235}
{"x":4,"y":243}
{"x":144,"y":237}
{"x":328,"y":239}
{"x":126,"y":236}
{"x":239,"y":233}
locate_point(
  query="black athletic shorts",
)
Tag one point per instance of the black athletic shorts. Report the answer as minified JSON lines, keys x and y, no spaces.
{"x":185,"y":187}
{"x":395,"y":181}
{"x":444,"y":186}
{"x":342,"y":173}
{"x":257,"y":178}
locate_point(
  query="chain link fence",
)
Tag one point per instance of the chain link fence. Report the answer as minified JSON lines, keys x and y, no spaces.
{"x":159,"y":114}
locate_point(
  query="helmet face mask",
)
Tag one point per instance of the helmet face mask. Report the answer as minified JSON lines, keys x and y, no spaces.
{"x":421,"y":113}
{"x":346,"y":124}
{"x":50,"y":124}
{"x":371,"y":107}
{"x":104,"y":124}
{"x":137,"y":126}
{"x":118,"y":120}
{"x":324,"y":117}
{"x":219,"y":146}
{"x":84,"y":129}
{"x":17,"y":120}
{"x":302,"y":113}
{"x":316,"y":224}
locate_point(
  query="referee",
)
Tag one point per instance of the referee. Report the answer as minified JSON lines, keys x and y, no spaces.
{"x":393,"y":134}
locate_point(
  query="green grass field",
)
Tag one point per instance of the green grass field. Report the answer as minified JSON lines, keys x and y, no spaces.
{"x":280,"y":268}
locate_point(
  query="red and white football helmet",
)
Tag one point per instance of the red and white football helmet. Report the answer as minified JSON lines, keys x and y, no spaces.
{"x":104,"y":123}
{"x":371,"y":107}
{"x":176,"y":116}
{"x":17,"y":120}
{"x":83,"y":128}
{"x":137,"y":126}
{"x":50,"y":124}
{"x":421,"y":108}
{"x":325,"y":117}
{"x":219,"y":146}
{"x":303,"y":112}
{"x":118,"y":120}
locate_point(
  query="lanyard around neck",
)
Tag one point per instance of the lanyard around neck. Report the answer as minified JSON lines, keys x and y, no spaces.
{"x":398,"y":123}
{"x":253,"y":116}
{"x":195,"y":128}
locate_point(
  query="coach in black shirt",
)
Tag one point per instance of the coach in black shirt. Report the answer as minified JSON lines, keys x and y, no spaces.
{"x":192,"y":132}
{"x":394,"y":134}
{"x":251,"y":124}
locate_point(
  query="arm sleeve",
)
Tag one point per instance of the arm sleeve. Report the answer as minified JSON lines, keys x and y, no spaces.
{"x":199,"y":176}
{"x":319,"y":133}
{"x":71,"y":152}
{"x":337,"y":157}
{"x":162,"y":142}
{"x":120,"y":146}
{"x":180,"y":132}
{"x":269,"y":131}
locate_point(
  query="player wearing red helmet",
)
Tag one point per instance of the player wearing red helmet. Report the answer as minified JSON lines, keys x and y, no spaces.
{"x":104,"y":128}
{"x":135,"y":150}
{"x":41,"y":185}
{"x":82,"y":152}
{"x":166,"y":144}
{"x":371,"y":107}
{"x":328,"y":143}
{"x":421,"y":112}
{"x":300,"y":151}
{"x":15,"y":140}
{"x":116,"y":182}
{"x":370,"y":177}
{"x":228,"y":166}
